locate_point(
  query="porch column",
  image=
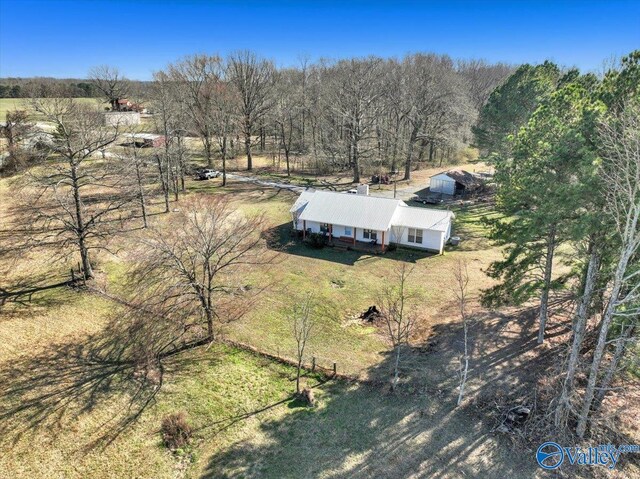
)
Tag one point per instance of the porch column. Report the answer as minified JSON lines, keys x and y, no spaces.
{"x":304,"y":229}
{"x":354,"y":235}
{"x":383,"y":241}
{"x":330,"y":232}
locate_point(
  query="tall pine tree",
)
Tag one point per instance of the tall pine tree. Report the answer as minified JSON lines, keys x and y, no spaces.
{"x":541,"y":195}
{"x":511,"y":105}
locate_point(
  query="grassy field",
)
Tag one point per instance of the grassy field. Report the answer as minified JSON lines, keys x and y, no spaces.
{"x":72,"y":420}
{"x":7,"y":104}
{"x":346,"y":283}
{"x":67,"y":409}
{"x":67,"y":414}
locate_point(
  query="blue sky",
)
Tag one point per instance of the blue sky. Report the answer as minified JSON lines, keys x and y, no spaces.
{"x":64,"y":38}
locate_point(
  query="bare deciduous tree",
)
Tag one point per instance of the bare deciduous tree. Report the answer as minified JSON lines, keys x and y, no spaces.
{"x":351,"y":98}
{"x":196,"y":81}
{"x":288,"y":110}
{"x":195,"y":268}
{"x":461,"y":276}
{"x":398,"y":316}
{"x":74,"y":200}
{"x":134,"y":166}
{"x":225,"y":118}
{"x":620,"y":137}
{"x":482,"y":78}
{"x":15,"y":131}
{"x":111,"y":83}
{"x":169,"y":122}
{"x":302,"y":320}
{"x":254,"y":80}
{"x":433,"y":102}
{"x":579,"y":329}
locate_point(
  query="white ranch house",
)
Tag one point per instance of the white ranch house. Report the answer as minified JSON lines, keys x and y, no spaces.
{"x":360,"y":218}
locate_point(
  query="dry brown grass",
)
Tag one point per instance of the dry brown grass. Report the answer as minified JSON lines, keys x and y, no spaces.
{"x":356,"y":431}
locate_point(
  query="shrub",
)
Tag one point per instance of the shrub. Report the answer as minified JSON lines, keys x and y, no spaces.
{"x":392,"y":247}
{"x":316,"y":240}
{"x":176,"y":431}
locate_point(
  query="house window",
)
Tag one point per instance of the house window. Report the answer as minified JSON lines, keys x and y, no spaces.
{"x":370,"y":234}
{"x":324,"y":227}
{"x":415,"y":236}
{"x":348,"y":231}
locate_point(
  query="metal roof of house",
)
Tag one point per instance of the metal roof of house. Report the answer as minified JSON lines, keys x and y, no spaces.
{"x":424,"y":218}
{"x":359,"y":211}
{"x":363,"y":211}
{"x":302,"y":201}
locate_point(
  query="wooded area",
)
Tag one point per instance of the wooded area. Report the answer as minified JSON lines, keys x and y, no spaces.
{"x":567,"y":157}
{"x":374,"y":113}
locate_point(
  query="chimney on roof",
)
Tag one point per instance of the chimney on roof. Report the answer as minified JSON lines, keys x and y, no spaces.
{"x":363,"y":189}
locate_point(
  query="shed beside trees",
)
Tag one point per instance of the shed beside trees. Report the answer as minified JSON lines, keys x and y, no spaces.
{"x":454,"y":182}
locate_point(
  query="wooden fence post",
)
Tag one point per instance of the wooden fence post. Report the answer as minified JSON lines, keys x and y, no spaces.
{"x":313,"y":364}
{"x":335,"y":369}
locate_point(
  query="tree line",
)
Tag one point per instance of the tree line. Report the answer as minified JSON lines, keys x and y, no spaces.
{"x":354,"y":114}
{"x":566,"y":149}
{"x":364,"y":115}
{"x":41,"y":86}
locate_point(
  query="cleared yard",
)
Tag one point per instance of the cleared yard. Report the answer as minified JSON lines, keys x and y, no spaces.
{"x":69,"y":411}
{"x":72,"y":415}
{"x":345,"y":283}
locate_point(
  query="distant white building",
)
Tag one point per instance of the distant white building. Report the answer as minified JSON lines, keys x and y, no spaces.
{"x":454,"y":182}
{"x":353,"y":218}
{"x":147,"y":139}
{"x":121,"y":118}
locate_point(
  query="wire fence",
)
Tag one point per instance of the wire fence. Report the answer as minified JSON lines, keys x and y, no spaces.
{"x":23,"y":292}
{"x":328,"y":368}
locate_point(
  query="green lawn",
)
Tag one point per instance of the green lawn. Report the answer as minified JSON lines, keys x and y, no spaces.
{"x":246,"y":424}
{"x":359,"y":432}
{"x":71,"y":411}
{"x":66,"y":412}
{"x":99,"y":424}
{"x":344,"y":283}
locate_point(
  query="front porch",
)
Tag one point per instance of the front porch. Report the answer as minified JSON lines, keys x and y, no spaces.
{"x":348,"y":237}
{"x":343,"y":243}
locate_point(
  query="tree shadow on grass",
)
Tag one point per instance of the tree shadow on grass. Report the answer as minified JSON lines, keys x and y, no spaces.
{"x":34,"y":291}
{"x":363,"y":430}
{"x":74,"y":379}
{"x":67,"y":381}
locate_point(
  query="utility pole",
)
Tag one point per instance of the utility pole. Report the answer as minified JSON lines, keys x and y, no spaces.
{"x":395,"y":181}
